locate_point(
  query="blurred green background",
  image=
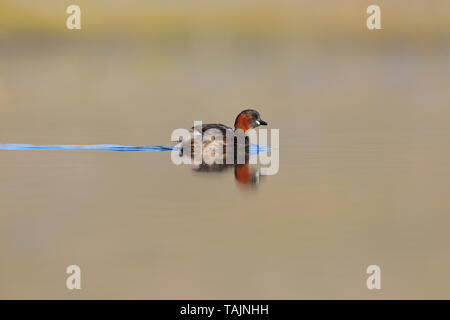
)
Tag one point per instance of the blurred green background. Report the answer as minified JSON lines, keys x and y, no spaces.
{"x":184,"y":20}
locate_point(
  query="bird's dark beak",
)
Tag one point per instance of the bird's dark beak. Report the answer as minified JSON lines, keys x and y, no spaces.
{"x":262,"y":122}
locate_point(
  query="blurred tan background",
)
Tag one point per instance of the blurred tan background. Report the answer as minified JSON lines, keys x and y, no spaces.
{"x":364,"y":175}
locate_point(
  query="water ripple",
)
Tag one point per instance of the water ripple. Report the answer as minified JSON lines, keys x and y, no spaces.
{"x":254,"y":148}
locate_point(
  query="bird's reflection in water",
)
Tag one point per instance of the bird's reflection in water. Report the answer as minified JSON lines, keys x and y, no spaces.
{"x":246,"y":174}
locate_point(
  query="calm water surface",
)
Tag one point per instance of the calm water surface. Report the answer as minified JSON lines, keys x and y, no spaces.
{"x":363,"y":179}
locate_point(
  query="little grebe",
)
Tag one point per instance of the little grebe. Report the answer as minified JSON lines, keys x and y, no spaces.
{"x":228,"y":138}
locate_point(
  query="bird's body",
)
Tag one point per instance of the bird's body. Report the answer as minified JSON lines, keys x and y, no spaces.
{"x":217,"y":137}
